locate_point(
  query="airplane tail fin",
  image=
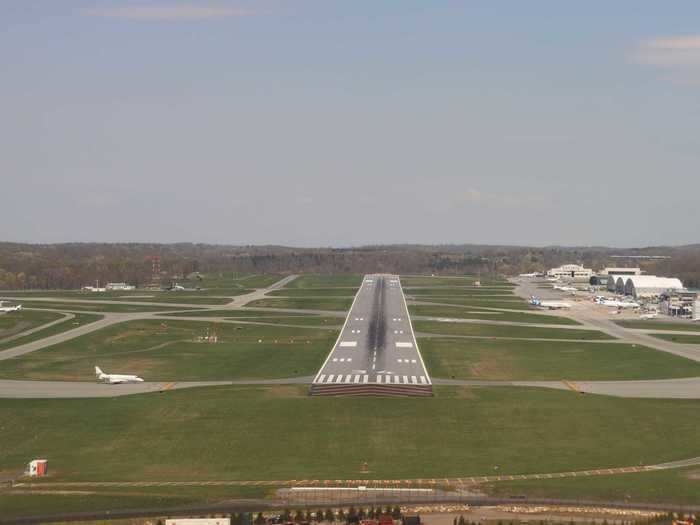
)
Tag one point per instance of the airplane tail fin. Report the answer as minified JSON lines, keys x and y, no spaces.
{"x":98,"y":371}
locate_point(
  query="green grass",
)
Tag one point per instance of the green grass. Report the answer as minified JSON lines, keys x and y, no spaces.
{"x":541,"y":360}
{"x":660,"y":325}
{"x":29,"y":502}
{"x":172,"y":354}
{"x":678,"y":338}
{"x":459,"y":312}
{"x":467,"y":280}
{"x":476,"y":303}
{"x":313,"y":292}
{"x":134,"y":295}
{"x":68,"y":324}
{"x":311,"y":280}
{"x":97,"y":307}
{"x":279,"y":432}
{"x":13,"y":323}
{"x":524,"y":332}
{"x":461,"y":292}
{"x":259,"y":280}
{"x":680,"y":486}
{"x":297,"y":320}
{"x":232,"y":313}
{"x":300,"y":303}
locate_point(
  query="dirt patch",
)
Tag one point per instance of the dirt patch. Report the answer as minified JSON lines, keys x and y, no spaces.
{"x":286,"y":391}
{"x":464,"y":392}
{"x":693,"y":474}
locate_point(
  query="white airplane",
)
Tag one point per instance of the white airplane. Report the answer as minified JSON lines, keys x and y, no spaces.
{"x":114,"y":379}
{"x":533,"y":274}
{"x":565,"y":288}
{"x":615,"y":303}
{"x":550,"y":305}
{"x":651,"y":315}
{"x":6,"y":309}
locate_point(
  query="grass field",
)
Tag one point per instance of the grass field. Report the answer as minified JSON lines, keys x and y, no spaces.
{"x":468,"y":280}
{"x":541,"y":360}
{"x":461,"y":292}
{"x":660,"y":325}
{"x":297,"y":320}
{"x":68,"y":324}
{"x":679,"y":338}
{"x":524,"y":332}
{"x":97,"y":307}
{"x":681,"y":486}
{"x":459,"y":312}
{"x":172,"y":354}
{"x":313,"y":292}
{"x":23,"y":502}
{"x":311,"y":280}
{"x":279,"y":432}
{"x":13,"y":323}
{"x":213,"y":295}
{"x":234,"y":313}
{"x":476,"y":304}
{"x":300,"y":303}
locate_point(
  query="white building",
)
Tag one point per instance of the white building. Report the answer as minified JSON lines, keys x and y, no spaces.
{"x":571,"y":272}
{"x":649,"y":286}
{"x":120,"y":286}
{"x":620,"y":271}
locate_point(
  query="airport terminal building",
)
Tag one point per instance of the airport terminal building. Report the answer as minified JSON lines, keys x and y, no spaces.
{"x":571,"y":272}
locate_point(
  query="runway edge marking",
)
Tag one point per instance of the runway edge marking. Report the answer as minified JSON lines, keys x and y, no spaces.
{"x":413,"y":335}
{"x":347,"y":318}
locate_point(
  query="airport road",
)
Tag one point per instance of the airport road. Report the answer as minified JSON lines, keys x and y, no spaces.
{"x":376,"y":344}
{"x":684,"y":388}
{"x":17,"y":389}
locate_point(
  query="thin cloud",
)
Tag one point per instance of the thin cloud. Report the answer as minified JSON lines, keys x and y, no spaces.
{"x":675,"y":52}
{"x":498,"y":199}
{"x":169,"y":12}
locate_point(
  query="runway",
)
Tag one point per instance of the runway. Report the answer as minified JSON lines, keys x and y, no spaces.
{"x":376,"y":345}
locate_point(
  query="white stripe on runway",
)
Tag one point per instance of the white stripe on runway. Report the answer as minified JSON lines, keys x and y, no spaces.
{"x":397,"y":379}
{"x":330,"y":378}
{"x":388,"y":379}
{"x":357,"y":378}
{"x":414,"y":380}
{"x":405,"y":379}
{"x":422,"y":380}
{"x":339,"y":379}
{"x":321,"y":378}
{"x":348,"y":378}
{"x":365,"y":379}
{"x":379,"y":379}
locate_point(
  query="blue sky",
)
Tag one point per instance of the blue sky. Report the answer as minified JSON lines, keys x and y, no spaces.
{"x":318,"y":123}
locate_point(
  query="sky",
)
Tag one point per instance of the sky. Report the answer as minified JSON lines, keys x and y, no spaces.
{"x":345,"y":123}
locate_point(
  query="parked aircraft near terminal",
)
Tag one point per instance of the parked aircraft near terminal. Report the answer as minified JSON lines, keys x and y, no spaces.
{"x":616,"y":303}
{"x":114,"y":379}
{"x":645,"y":317}
{"x":533,"y":274}
{"x":565,"y":288}
{"x":550,"y":305}
{"x":6,"y":309}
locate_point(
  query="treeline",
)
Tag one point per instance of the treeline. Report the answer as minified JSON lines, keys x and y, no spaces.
{"x":72,"y":265}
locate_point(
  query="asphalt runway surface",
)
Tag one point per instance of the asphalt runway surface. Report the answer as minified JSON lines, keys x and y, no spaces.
{"x":376,"y":344}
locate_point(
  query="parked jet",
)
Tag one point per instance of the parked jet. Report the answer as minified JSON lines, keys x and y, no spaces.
{"x":651,"y":315}
{"x":114,"y":379}
{"x":550,"y":305}
{"x":565,"y":288}
{"x":616,"y":303}
{"x":6,"y":309}
{"x":533,"y":274}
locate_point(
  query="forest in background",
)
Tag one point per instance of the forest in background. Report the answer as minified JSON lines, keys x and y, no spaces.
{"x":72,"y":265}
